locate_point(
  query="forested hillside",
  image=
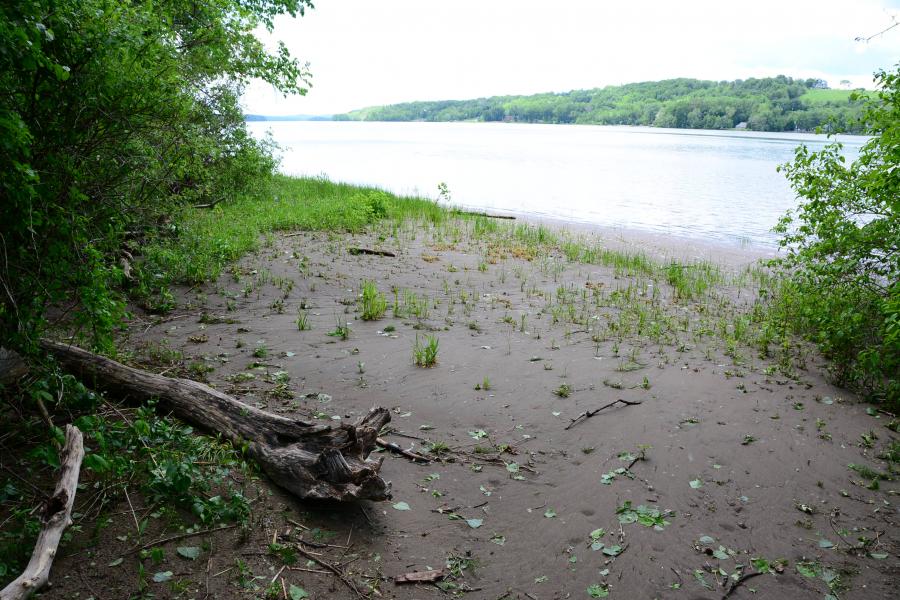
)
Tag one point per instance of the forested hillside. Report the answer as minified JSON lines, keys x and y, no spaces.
{"x":771,"y":104}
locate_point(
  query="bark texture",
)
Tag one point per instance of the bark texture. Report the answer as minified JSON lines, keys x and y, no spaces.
{"x":310,"y":460}
{"x":55,"y":518}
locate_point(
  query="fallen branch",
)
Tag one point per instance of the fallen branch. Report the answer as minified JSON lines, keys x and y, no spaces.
{"x":56,"y":517}
{"x":590,"y":413}
{"x":395,"y":448}
{"x":310,"y":460}
{"x":357,"y":251}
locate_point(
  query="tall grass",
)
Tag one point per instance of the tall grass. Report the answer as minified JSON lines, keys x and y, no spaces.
{"x":204,"y":241}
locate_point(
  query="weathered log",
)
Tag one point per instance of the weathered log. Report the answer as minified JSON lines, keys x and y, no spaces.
{"x":55,"y":518}
{"x":310,"y":460}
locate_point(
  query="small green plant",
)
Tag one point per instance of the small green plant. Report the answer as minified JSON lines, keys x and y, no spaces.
{"x":341,"y":330}
{"x":260,"y":352}
{"x":563,"y":391}
{"x":648,"y":517}
{"x":425,"y":355}
{"x":372,"y":303}
{"x":303,"y":320}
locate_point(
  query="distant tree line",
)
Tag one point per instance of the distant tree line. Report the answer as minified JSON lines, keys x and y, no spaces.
{"x":770,"y":104}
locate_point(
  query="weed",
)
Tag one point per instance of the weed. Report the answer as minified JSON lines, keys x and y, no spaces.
{"x":425,"y":355}
{"x":341,"y":330}
{"x":372,"y":303}
{"x":563,"y":390}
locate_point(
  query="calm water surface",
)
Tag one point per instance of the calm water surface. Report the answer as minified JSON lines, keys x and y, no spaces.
{"x":707,"y":185}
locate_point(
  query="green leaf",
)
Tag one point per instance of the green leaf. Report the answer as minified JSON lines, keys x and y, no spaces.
{"x":612,"y":550}
{"x":696,"y":484}
{"x":498,"y":539}
{"x":598,"y":533}
{"x":162,"y":576}
{"x":823,"y":543}
{"x":550,"y":513}
{"x":598,"y":590}
{"x":761,"y":564}
{"x":475,"y":523}
{"x":297,"y":593}
{"x":401,"y":506}
{"x":188,"y":552}
{"x":810,"y":570}
{"x":115,"y":563}
{"x":720,"y":553}
{"x":878,"y":555}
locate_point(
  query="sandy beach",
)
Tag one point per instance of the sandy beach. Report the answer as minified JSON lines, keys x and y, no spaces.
{"x":702,"y":457}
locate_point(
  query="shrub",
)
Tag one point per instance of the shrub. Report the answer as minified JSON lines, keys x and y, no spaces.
{"x":842,"y":267}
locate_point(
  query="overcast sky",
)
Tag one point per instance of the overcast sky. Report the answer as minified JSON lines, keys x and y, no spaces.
{"x":367,"y":52}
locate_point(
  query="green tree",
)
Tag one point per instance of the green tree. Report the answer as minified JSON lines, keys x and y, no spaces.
{"x":113,"y":113}
{"x":843,"y":249}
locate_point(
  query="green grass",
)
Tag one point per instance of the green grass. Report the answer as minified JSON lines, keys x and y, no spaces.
{"x":372,"y":303}
{"x":425,"y":354}
{"x":208,"y":240}
{"x":816,"y":97}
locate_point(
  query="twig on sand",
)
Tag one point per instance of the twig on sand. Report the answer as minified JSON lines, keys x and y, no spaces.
{"x":180,"y":537}
{"x":327,"y":565}
{"x":396,"y":449}
{"x":740,"y":581}
{"x":590,"y":413}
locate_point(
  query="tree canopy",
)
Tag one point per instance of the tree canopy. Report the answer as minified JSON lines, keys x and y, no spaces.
{"x":769,"y":104}
{"x":112,"y":114}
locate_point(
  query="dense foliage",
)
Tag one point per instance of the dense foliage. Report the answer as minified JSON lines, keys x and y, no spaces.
{"x":113,"y":112}
{"x":770,"y":104}
{"x":843,"y":246}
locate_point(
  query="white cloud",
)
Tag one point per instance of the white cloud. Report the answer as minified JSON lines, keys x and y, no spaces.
{"x":364,"y":53}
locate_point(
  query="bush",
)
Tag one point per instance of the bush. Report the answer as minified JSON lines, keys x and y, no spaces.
{"x":843,"y":251}
{"x":114,"y":114}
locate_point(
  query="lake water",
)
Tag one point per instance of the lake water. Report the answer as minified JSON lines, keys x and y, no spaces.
{"x":718,"y":186}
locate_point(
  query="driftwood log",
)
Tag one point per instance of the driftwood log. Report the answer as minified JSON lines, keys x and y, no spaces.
{"x":55,"y":518}
{"x":310,"y":460}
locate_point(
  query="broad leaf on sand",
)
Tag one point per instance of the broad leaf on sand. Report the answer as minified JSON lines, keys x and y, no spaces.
{"x":297,"y":593}
{"x":188,"y":552}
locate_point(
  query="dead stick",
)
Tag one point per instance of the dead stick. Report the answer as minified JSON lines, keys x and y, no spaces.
{"x":180,"y":537}
{"x":590,"y":413}
{"x":739,"y":582}
{"x":57,"y":515}
{"x":398,"y":450}
{"x":337,"y":572}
